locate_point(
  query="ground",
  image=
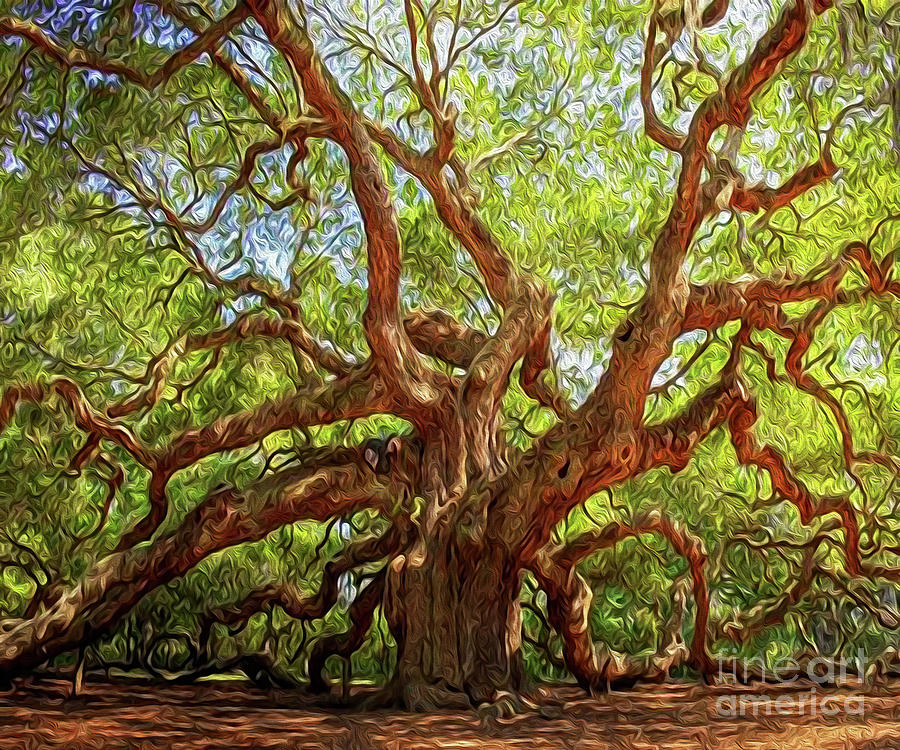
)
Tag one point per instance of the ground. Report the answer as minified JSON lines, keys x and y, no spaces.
{"x":233,"y":715}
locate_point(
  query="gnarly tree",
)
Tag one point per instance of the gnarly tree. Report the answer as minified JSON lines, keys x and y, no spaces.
{"x":469,"y":512}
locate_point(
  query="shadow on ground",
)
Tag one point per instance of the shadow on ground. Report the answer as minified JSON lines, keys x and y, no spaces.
{"x":233,"y":715}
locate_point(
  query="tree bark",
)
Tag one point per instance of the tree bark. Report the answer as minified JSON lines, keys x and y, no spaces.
{"x":455,"y":616}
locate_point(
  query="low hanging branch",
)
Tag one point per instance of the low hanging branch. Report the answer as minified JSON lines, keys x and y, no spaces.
{"x":307,"y":608}
{"x":557,"y":573}
{"x":224,"y":519}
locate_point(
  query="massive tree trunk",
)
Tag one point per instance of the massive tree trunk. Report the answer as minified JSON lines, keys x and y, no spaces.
{"x":455,"y":616}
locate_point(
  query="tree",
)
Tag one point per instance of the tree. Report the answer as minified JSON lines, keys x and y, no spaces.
{"x":235,"y":175}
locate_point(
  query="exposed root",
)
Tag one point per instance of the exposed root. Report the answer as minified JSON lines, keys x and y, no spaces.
{"x":504,"y":705}
{"x":423,"y":697}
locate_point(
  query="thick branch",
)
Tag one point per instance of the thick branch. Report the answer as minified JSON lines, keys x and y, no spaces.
{"x":763,"y":198}
{"x":672,"y":443}
{"x":683,"y":543}
{"x":758,"y":302}
{"x":644,"y":340}
{"x":353,"y":397}
{"x":758,"y":305}
{"x":569,"y":598}
{"x":382,"y":319}
{"x":226,"y":518}
{"x":653,"y":126}
{"x":524,"y":332}
{"x":299,"y":606}
{"x":438,"y":334}
{"x":349,"y":398}
{"x":732,"y":105}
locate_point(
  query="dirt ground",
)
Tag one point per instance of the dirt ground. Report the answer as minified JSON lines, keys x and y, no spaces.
{"x":233,"y":715}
